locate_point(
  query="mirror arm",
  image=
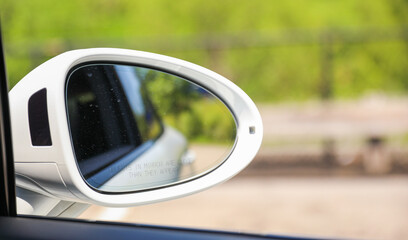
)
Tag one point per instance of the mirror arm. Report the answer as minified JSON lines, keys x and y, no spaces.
{"x":32,"y":203}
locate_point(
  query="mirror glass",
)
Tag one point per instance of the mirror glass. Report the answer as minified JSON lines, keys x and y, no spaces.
{"x":135,"y":128}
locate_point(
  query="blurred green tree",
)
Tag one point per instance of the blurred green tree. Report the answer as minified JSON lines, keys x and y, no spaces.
{"x":272,"y":49}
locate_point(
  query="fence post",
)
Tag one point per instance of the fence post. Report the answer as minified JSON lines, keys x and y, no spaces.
{"x":326,"y":74}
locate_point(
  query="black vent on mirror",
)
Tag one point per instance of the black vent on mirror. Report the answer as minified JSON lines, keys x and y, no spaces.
{"x":38,"y":119}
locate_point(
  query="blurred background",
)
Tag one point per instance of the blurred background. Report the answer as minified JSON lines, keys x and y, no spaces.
{"x":330,"y":79}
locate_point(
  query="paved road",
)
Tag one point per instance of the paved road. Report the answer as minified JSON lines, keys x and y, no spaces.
{"x":354,"y":207}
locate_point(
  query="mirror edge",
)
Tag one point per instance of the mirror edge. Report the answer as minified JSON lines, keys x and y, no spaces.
{"x":52,"y":75}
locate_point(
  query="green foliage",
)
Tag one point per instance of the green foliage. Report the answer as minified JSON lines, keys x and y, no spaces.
{"x":371,"y":67}
{"x":216,"y":121}
{"x":207,"y":121}
{"x":180,"y":104}
{"x":191,"y":125}
{"x":263,"y":46}
{"x":173,"y":94}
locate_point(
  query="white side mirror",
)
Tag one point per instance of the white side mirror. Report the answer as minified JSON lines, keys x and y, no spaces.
{"x":105,"y":126}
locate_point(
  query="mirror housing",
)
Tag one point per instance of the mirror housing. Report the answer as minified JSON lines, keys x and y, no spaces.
{"x":44,"y":156}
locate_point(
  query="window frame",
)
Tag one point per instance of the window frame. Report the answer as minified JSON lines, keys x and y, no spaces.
{"x":8,"y":206}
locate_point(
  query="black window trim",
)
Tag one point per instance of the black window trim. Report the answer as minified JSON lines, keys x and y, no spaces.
{"x":7,"y":179}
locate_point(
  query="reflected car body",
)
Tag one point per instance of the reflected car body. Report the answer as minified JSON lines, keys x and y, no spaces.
{"x":159,"y":165}
{"x":120,"y":142}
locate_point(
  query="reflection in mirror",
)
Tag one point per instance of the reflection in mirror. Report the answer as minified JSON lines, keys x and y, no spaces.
{"x":135,"y":128}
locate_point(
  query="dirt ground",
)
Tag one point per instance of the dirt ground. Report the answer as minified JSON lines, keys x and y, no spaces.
{"x":347,"y":207}
{"x":305,"y":198}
